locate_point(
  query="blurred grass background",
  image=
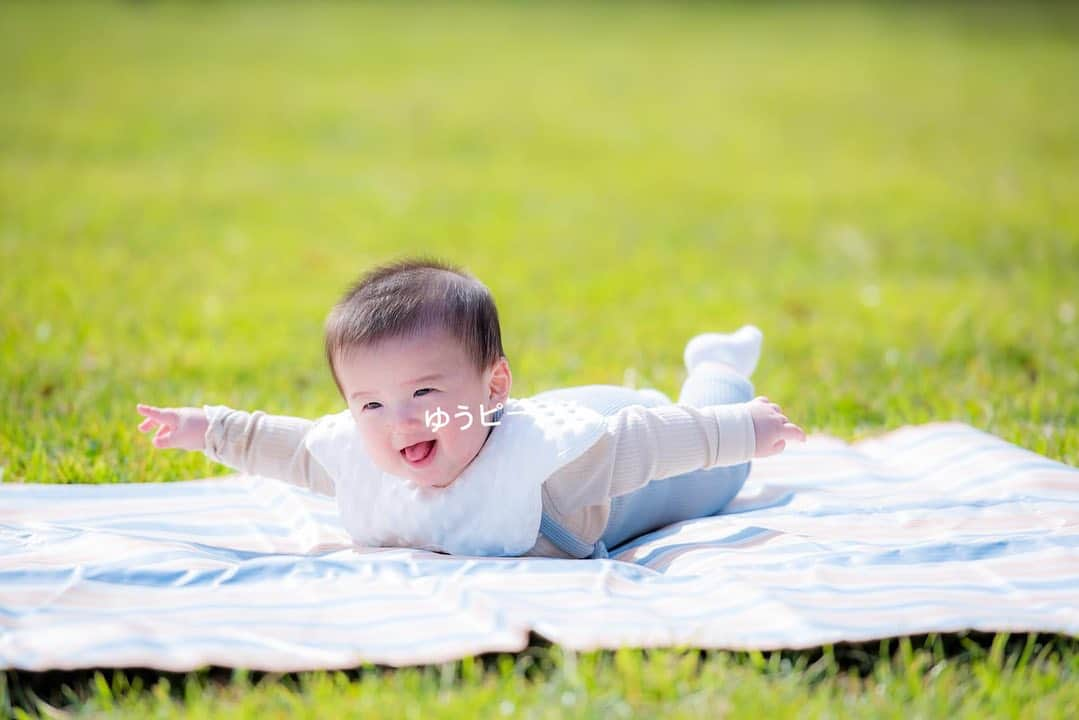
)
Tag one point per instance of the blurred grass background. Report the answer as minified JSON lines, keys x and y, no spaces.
{"x":888,"y":191}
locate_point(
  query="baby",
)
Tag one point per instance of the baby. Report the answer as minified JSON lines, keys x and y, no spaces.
{"x":432,"y":452}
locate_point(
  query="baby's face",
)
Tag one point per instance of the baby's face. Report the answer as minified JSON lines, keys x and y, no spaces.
{"x":391,"y":387}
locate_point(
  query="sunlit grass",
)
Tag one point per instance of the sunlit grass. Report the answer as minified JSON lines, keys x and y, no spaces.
{"x":1021,"y":676}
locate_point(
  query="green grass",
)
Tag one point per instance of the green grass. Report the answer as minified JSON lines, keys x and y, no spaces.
{"x":929,"y":676}
{"x":888,"y":192}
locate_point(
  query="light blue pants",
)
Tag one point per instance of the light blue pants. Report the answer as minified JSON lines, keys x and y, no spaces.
{"x":661,"y":502}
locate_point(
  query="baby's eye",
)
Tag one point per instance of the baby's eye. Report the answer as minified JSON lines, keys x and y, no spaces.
{"x":423,"y":390}
{"x":367,"y":406}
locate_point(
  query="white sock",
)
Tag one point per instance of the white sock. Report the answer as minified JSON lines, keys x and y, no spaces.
{"x":740,"y":349}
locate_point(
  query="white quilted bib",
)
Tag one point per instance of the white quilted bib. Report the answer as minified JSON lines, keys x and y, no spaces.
{"x":492,"y":508}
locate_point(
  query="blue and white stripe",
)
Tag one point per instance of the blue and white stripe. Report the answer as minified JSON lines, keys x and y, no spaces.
{"x":934,"y":528}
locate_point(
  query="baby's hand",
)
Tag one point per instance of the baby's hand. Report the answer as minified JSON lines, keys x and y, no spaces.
{"x":183,"y":428}
{"x":772,"y":427}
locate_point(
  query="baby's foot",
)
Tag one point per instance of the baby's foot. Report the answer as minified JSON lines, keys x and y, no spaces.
{"x":740,"y":349}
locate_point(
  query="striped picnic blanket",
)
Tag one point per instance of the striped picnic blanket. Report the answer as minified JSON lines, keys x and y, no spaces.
{"x":932,"y":528}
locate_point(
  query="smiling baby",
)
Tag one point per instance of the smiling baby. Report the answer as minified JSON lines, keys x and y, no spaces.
{"x":433,"y":452}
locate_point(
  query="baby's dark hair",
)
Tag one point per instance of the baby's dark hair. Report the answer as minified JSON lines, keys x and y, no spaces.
{"x":410,"y":296}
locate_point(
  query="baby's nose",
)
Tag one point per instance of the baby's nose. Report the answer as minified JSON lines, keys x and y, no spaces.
{"x":409,"y":418}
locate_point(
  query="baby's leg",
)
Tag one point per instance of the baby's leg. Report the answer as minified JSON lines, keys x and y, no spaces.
{"x":713,"y":379}
{"x":715,"y":384}
{"x":604,"y":399}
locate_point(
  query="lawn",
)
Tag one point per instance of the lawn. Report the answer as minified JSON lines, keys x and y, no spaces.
{"x":889,"y":192}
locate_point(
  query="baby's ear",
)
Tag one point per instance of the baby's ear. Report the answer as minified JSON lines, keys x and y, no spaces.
{"x":501,"y":379}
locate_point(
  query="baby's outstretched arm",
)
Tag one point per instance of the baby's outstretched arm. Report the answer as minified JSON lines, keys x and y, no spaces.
{"x":643,"y":444}
{"x":254,"y":443}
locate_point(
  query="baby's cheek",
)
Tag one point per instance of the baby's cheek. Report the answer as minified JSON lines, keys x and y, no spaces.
{"x":376,"y":443}
{"x":476,"y":436}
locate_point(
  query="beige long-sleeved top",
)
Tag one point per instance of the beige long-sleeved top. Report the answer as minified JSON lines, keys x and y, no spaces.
{"x":640,"y":445}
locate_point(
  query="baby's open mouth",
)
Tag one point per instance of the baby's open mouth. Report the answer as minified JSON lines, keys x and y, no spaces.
{"x":418,"y":453}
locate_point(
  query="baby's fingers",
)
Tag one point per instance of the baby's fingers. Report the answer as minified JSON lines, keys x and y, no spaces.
{"x":162,"y":438}
{"x":147,"y":424}
{"x":792,"y":432}
{"x":151,"y":411}
{"x":164,"y":416}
